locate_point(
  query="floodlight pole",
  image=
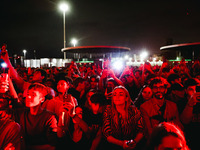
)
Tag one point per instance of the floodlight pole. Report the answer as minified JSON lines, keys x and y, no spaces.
{"x":64,"y":34}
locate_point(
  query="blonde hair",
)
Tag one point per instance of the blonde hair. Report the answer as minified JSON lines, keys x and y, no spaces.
{"x":127,"y":103}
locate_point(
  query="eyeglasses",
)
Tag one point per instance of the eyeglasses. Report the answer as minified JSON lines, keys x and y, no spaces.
{"x":158,"y":87}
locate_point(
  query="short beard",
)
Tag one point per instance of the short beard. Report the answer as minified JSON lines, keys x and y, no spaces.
{"x":160,"y":96}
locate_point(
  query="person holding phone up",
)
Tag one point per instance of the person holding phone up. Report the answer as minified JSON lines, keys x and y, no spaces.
{"x":190,"y":116}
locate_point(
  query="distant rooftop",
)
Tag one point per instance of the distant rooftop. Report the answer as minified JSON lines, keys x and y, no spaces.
{"x":95,"y":49}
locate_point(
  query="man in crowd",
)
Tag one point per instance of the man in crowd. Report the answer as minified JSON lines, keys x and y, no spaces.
{"x":158,"y":109}
{"x":191,"y":114}
{"x":39,"y":76}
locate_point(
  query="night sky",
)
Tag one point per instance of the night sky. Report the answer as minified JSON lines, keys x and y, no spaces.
{"x":137,"y":24}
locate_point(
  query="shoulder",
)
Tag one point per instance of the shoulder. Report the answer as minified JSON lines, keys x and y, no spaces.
{"x":146,"y":104}
{"x":171,"y":104}
{"x":133,"y":110}
{"x":47,"y":113}
{"x":11,"y":125}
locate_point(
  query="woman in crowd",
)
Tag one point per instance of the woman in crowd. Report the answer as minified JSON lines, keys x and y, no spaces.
{"x":144,"y":95}
{"x":122,"y":122}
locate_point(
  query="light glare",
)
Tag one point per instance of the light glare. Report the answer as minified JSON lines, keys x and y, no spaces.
{"x":4,"y":65}
{"x":118,"y":65}
{"x":64,"y":7}
{"x":74,"y":42}
{"x":143,"y":55}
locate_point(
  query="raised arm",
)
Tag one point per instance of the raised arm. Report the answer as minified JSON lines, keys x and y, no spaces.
{"x":14,"y":75}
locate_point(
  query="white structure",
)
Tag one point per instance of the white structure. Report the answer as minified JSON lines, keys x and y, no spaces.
{"x":46,"y":62}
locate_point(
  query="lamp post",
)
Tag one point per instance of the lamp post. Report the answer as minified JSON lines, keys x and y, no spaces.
{"x":24,"y":51}
{"x":64,"y":7}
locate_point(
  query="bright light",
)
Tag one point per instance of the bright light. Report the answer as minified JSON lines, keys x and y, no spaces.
{"x":126,"y":57}
{"x":143,"y":55}
{"x":74,"y":42}
{"x":64,"y":7}
{"x":117,"y":65}
{"x":24,"y":51}
{"x":3,"y":65}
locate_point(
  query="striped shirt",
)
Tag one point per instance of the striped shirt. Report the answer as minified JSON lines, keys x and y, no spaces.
{"x":124,"y":129}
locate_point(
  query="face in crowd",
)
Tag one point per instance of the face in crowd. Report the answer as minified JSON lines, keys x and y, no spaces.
{"x":37,"y":77}
{"x":35,"y":95}
{"x":62,"y":86}
{"x":120,"y":96}
{"x":191,"y":90}
{"x":147,"y":93}
{"x":34,"y":98}
{"x":110,"y":84}
{"x":93,"y":83}
{"x":159,"y":90}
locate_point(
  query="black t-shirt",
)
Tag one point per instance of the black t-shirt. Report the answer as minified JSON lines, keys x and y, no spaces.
{"x":37,"y":129}
{"x":94,"y":121}
{"x":81,"y":100}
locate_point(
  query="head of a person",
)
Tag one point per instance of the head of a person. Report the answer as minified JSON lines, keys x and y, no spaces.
{"x":165,"y":72}
{"x":167,"y":136}
{"x":97,"y":101}
{"x":174,"y":78}
{"x":79,"y":83}
{"x":129,"y":78}
{"x":158,"y":87}
{"x":121,"y":97}
{"x":50,"y":83}
{"x":138,"y":74}
{"x":178,"y":90}
{"x":5,"y":101}
{"x":40,"y":75}
{"x":110,"y":83}
{"x":54,"y":70}
{"x":35,"y":95}
{"x":93,"y":82}
{"x":88,"y":96}
{"x":146,"y":93}
{"x":63,"y":84}
{"x":190,"y":86}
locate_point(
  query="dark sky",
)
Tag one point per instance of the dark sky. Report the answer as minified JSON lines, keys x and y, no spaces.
{"x":137,"y":24}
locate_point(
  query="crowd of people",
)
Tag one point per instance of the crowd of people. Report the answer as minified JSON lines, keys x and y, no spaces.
{"x":96,"y":107}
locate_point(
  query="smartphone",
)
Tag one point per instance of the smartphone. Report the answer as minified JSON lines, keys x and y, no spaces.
{"x":109,"y":89}
{"x":128,"y":142}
